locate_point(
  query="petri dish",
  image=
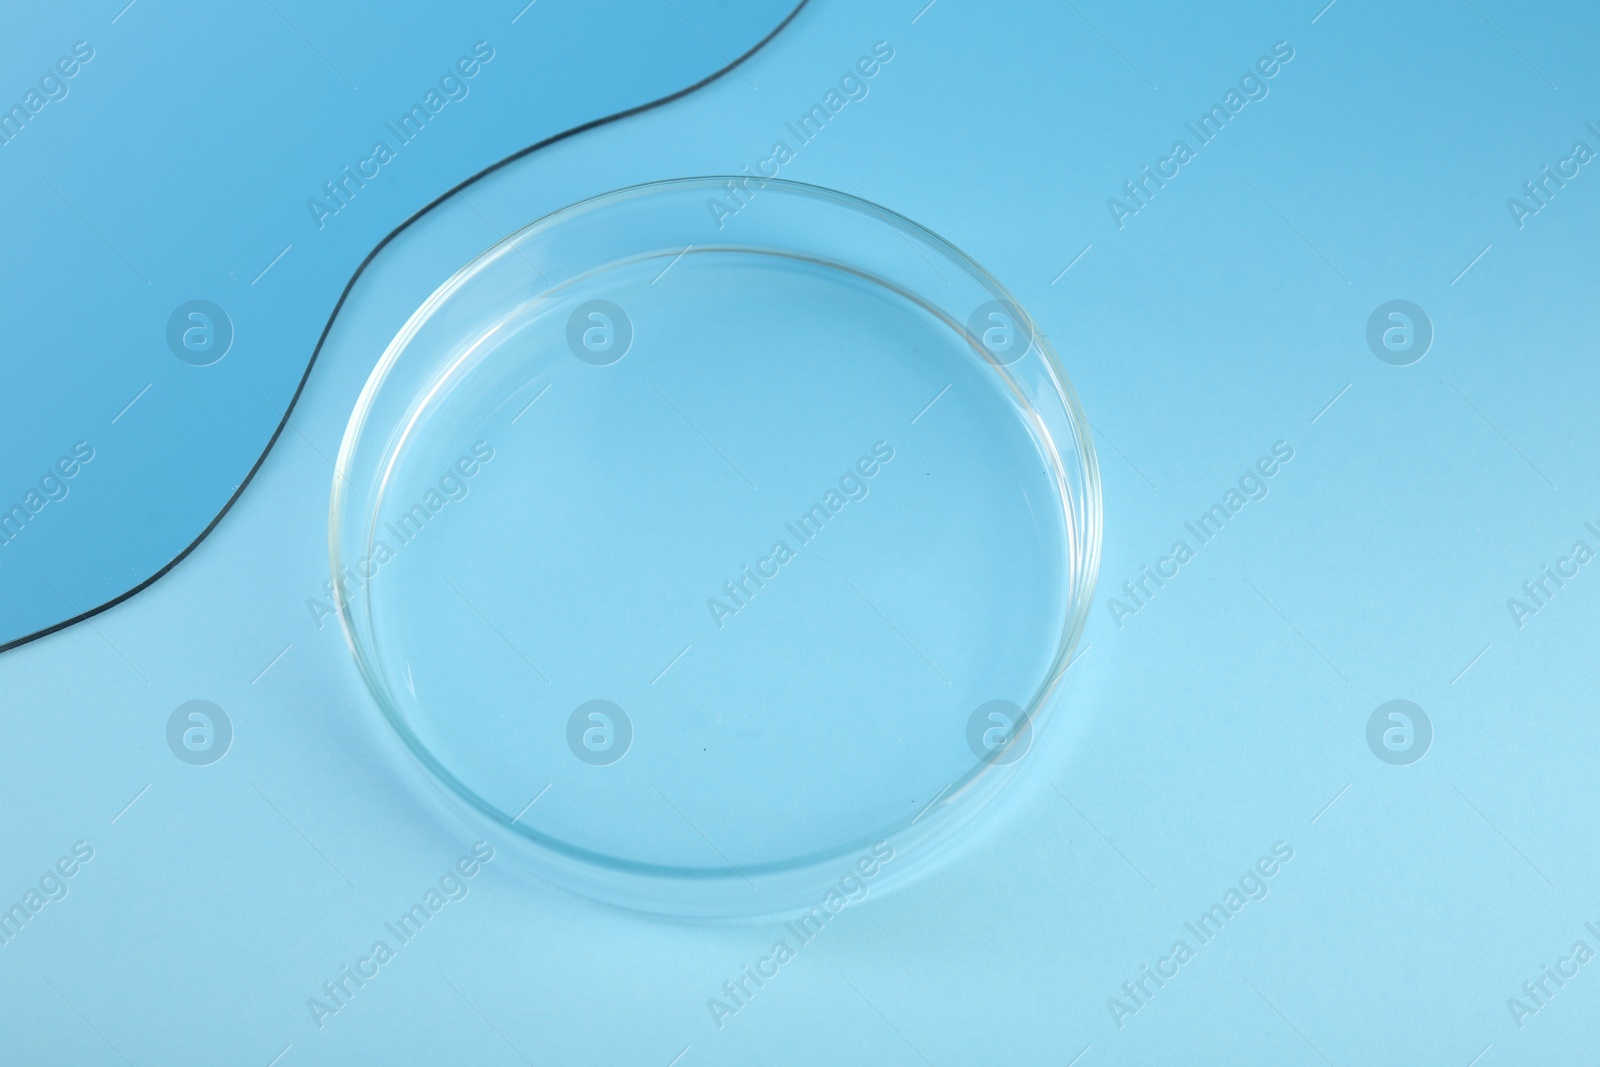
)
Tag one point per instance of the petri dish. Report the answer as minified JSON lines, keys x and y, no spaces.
{"x":718,"y":543}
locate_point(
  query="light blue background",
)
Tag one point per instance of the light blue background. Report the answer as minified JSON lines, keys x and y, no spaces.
{"x":1227,"y":715}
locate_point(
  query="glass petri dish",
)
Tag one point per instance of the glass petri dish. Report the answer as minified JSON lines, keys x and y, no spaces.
{"x":721,"y":543}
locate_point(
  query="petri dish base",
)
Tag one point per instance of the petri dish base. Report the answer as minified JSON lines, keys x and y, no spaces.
{"x":751,"y":546}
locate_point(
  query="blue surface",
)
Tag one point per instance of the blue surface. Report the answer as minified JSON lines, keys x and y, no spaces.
{"x":162,"y":154}
{"x":1223,"y":724}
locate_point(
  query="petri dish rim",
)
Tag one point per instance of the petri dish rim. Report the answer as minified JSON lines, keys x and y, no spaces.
{"x":1079,"y":500}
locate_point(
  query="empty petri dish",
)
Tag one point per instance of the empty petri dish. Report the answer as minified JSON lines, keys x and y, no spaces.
{"x":720,"y":541}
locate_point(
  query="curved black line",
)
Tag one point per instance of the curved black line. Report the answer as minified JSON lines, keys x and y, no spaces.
{"x":351,"y":284}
